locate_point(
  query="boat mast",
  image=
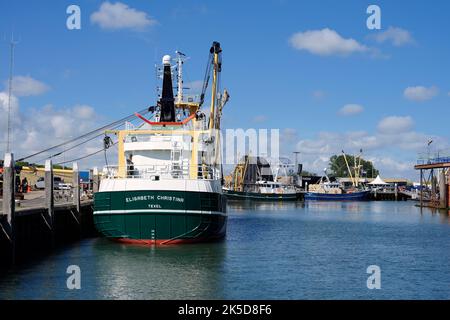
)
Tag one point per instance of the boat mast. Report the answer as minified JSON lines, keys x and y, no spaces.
{"x":10,"y":82}
{"x":180,"y":76}
{"x":216,"y":50}
{"x":348,"y":168}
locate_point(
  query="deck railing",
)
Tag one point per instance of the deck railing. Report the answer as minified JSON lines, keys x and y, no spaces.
{"x":440,"y":156}
{"x":162,"y":172}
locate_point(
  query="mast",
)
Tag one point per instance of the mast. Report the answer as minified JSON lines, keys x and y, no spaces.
{"x":216,"y":50}
{"x":10,"y":82}
{"x":180,"y":76}
{"x":348,"y":167}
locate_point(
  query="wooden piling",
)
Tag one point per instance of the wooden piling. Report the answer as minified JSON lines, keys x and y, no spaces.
{"x":49,"y":198}
{"x":9,"y":204}
{"x":396,"y":191}
{"x":421,"y":188}
{"x":442,"y":190}
{"x":76,"y":186}
{"x":95,"y":180}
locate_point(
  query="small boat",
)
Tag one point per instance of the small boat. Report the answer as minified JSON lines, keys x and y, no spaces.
{"x":253,"y":179}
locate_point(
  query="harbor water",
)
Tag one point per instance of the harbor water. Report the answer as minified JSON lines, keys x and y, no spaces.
{"x":272,"y":251}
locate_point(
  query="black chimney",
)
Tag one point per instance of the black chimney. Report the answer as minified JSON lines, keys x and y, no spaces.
{"x":167,"y":100}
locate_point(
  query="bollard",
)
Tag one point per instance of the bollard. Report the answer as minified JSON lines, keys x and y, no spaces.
{"x":9,"y":205}
{"x":76,"y":186}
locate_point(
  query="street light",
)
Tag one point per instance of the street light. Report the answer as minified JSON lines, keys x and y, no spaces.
{"x":430,"y":141}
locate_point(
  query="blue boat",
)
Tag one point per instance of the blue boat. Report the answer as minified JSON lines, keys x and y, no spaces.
{"x":348,"y":196}
{"x":326,"y":190}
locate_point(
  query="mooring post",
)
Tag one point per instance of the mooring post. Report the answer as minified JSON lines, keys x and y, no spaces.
{"x":76,"y":186}
{"x":442,"y":190}
{"x":396,"y":191}
{"x":9,"y":205}
{"x":49,"y":196}
{"x":95,"y":180}
{"x":421,"y":188}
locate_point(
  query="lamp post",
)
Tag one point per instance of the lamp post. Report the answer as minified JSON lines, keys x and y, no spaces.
{"x":428,"y":150}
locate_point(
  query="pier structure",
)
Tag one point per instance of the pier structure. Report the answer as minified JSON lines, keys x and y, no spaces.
{"x":434,"y":180}
{"x":32,"y":227}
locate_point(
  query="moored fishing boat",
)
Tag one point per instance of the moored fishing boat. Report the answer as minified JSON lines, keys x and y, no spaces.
{"x":167,"y":186}
{"x":327,"y":190}
{"x":253,"y":179}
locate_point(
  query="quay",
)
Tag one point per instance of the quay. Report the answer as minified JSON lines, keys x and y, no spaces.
{"x":44,"y":220}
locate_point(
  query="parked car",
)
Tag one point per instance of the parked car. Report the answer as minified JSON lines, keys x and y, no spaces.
{"x":64,"y":186}
{"x":57,"y":182}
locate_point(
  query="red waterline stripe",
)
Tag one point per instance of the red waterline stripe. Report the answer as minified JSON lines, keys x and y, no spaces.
{"x":149,"y":242}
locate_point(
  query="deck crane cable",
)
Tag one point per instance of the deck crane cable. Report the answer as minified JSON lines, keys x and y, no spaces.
{"x":114,"y":124}
{"x":81,"y":143}
{"x":86,"y":156}
{"x":75,"y":146}
{"x":206,"y":78}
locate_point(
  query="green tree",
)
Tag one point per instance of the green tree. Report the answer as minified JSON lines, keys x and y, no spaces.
{"x":308,"y":174}
{"x":339,"y":168}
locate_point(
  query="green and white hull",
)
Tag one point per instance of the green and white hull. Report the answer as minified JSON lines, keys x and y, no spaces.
{"x":148,"y":212}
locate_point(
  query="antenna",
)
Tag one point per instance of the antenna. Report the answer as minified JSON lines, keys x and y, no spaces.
{"x":296,"y":153}
{"x":12,"y":44}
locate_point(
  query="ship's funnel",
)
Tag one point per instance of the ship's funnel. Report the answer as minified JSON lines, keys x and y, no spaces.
{"x":167,"y":100}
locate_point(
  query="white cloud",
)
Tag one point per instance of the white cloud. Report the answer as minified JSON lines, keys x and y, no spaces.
{"x":420,"y":93}
{"x":27,"y":86}
{"x":392,"y":166}
{"x":397,"y":36}
{"x":351,"y":109}
{"x":395,"y":124}
{"x":115,"y":16}
{"x":325,"y":42}
{"x":394,"y":153}
{"x":4,"y":104}
{"x":84,"y":112}
{"x":35,"y":129}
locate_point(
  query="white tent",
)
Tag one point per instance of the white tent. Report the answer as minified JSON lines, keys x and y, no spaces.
{"x":378,"y":181}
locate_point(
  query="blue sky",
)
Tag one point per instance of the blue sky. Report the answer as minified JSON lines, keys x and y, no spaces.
{"x":292,"y":65}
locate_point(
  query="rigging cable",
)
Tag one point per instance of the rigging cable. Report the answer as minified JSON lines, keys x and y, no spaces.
{"x":206,"y":78}
{"x":86,"y":156}
{"x":113,"y":124}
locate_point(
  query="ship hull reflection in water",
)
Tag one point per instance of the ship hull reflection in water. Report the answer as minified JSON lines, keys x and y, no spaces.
{"x":168,"y":272}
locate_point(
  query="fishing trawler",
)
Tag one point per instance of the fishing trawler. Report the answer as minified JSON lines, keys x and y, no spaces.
{"x":167,"y":186}
{"x":326,"y":190}
{"x":254,"y":179}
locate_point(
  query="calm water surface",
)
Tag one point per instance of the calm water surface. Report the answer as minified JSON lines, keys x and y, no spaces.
{"x":272,"y":251}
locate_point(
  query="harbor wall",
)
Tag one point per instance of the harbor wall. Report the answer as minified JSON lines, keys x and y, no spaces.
{"x":31,"y":232}
{"x":34,"y":238}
